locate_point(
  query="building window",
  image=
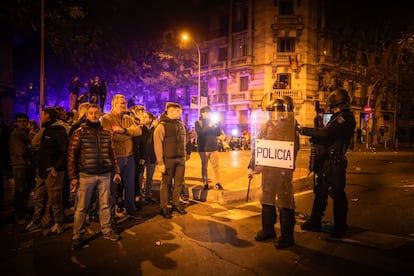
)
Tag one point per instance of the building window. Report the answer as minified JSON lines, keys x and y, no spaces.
{"x":204,"y":88}
{"x":364,"y":60}
{"x":285,"y":7}
{"x":282,"y":81}
{"x":286,"y":44}
{"x":239,"y":46}
{"x":222,"y":54}
{"x":224,"y":25}
{"x":222,"y":89}
{"x":204,"y":58}
{"x":244,"y":83}
{"x":240,"y":16}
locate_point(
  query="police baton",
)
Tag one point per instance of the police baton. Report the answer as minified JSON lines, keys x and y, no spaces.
{"x":248,"y":186}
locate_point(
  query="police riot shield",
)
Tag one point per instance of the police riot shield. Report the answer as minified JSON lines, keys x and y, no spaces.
{"x":274,"y":132}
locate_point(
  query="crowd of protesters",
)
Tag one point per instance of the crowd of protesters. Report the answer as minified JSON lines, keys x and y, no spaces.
{"x":82,"y":165}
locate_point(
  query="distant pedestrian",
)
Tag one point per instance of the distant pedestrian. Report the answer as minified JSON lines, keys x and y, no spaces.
{"x":359,"y":135}
{"x":102,"y":95}
{"x":207,"y":146}
{"x":131,"y":102}
{"x":74,"y":92}
{"x":95,"y":90}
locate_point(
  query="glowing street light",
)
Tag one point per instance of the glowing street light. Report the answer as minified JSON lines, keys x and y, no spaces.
{"x":186,"y":37}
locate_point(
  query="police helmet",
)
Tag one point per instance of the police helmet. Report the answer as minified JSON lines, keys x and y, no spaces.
{"x":277,"y":109}
{"x":276,"y":105}
{"x":339,"y":98}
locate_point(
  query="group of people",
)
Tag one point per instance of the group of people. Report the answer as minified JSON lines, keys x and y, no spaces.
{"x":330,"y":143}
{"x":102,"y":157}
{"x":94,"y":157}
{"x":96,"y":92}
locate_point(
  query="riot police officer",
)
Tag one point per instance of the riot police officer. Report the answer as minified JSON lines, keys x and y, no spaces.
{"x":335,"y":138}
{"x":277,"y":181}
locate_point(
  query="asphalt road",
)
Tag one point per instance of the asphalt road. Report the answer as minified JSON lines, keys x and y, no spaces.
{"x":218,"y":239}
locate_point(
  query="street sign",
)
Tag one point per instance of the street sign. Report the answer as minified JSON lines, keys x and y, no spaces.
{"x":367,"y":109}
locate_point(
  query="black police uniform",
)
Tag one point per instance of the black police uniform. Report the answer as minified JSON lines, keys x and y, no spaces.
{"x":334,"y":138}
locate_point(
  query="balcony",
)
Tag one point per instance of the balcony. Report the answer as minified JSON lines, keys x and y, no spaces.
{"x":294,"y":94}
{"x":218,"y":99}
{"x":286,"y":58}
{"x":218,"y":66}
{"x":237,"y":97}
{"x":328,"y":60}
{"x":289,"y":19}
{"x":294,"y":22}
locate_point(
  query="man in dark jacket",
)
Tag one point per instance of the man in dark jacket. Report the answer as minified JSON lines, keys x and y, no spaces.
{"x":50,"y":172}
{"x":208,"y":132}
{"x":91,"y":163}
{"x":171,"y":150}
{"x":20,"y":144}
{"x":74,"y":91}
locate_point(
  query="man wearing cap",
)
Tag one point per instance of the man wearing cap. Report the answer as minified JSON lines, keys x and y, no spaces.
{"x":207,"y":133}
{"x":171,"y":151}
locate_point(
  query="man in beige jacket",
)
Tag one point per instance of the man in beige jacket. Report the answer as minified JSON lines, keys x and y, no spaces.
{"x":123,"y":128}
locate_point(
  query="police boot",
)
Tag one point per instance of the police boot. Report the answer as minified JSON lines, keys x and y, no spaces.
{"x":268,"y":223}
{"x":287,"y":225}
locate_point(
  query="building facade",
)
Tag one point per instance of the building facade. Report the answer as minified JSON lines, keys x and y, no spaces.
{"x":283,"y":47}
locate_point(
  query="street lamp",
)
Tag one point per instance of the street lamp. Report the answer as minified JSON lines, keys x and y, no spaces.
{"x":186,"y":37}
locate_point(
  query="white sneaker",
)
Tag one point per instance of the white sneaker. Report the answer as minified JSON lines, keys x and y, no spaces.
{"x":33,"y":226}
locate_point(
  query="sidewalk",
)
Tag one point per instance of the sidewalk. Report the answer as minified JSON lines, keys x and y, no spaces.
{"x":233,"y":170}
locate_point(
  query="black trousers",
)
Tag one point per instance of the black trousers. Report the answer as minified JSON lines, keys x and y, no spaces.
{"x":331,"y":176}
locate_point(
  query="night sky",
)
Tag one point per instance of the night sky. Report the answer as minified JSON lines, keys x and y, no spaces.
{"x":150,"y":18}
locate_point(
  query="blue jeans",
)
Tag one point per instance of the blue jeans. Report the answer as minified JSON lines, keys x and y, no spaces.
{"x":86,"y":188}
{"x":148,"y":183}
{"x":127,"y":165}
